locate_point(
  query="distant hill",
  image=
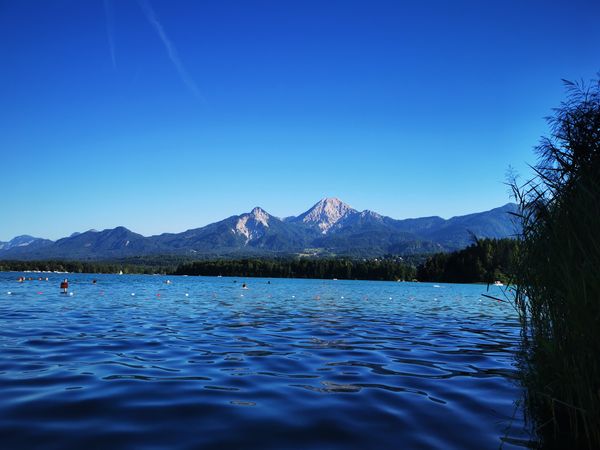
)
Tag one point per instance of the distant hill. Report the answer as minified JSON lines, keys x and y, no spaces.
{"x":328,"y":228}
{"x":457,"y":232}
{"x":24,"y":243}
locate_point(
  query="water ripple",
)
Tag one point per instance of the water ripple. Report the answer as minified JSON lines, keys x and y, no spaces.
{"x":290,"y":364}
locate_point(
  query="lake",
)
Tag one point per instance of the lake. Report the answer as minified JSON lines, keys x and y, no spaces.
{"x":134,"y":362}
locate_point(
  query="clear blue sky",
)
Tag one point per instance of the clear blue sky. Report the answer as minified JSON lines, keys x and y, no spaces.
{"x":168,"y":115}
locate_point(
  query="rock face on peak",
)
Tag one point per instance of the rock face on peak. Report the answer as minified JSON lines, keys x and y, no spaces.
{"x":325,"y":214}
{"x":253,"y":225}
{"x":261,"y":216}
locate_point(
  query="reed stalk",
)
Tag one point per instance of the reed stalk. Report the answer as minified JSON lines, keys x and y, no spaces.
{"x":558,"y":276}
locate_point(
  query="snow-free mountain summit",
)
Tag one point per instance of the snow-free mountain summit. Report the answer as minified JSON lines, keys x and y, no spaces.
{"x":330,"y":227}
{"x":324,"y":215}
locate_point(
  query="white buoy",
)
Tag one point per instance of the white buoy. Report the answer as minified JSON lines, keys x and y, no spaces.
{"x":187,"y":295}
{"x":9,"y":292}
{"x":71,"y":294}
{"x":133,"y":294}
{"x":342,"y":296}
{"x":293,"y":296}
{"x":390,"y":298}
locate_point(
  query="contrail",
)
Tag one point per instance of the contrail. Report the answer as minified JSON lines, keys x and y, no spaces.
{"x":173,"y":56}
{"x":110,"y":30}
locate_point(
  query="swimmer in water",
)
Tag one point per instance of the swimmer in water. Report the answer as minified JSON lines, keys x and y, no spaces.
{"x":64,"y":286}
{"x":244,"y":286}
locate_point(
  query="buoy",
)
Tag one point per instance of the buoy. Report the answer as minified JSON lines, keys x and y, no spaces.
{"x":342,"y":296}
{"x":71,"y":294}
{"x":187,"y":295}
{"x":132,"y":294}
{"x":9,"y":292}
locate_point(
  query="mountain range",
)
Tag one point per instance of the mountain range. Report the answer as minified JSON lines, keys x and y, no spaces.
{"x":330,"y":227}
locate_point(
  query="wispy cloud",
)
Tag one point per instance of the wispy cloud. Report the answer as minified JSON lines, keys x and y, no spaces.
{"x":110,"y":30}
{"x":171,"y":51}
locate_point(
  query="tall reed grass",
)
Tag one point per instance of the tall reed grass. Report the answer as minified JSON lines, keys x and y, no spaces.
{"x":558,"y":275}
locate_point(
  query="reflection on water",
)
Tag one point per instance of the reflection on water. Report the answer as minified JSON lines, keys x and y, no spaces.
{"x":132,"y":361}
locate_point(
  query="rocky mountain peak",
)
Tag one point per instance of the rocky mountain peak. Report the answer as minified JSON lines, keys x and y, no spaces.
{"x":252,"y":225}
{"x":326,"y":213}
{"x":260,"y":216}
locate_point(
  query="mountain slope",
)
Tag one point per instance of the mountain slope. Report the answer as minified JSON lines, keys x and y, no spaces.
{"x":458,"y":232}
{"x":25,"y":241}
{"x":247,"y":233}
{"x":324,"y":215}
{"x":24,"y":244}
{"x":330,"y":227}
{"x":111,"y":243}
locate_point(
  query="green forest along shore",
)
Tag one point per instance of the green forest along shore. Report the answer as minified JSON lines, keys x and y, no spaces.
{"x":485,"y":261}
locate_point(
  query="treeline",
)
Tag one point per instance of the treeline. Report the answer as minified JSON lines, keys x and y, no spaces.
{"x":83,"y":267}
{"x":485,"y":261}
{"x":375,"y":269}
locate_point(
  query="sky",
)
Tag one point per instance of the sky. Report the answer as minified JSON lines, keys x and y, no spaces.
{"x":167,"y":115}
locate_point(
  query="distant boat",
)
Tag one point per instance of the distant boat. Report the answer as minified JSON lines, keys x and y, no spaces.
{"x":498,"y":283}
{"x":120,"y":272}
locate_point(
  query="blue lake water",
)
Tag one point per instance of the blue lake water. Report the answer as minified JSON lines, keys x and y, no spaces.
{"x":203,"y":363}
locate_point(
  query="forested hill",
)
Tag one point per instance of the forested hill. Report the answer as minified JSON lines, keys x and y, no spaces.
{"x":485,"y":261}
